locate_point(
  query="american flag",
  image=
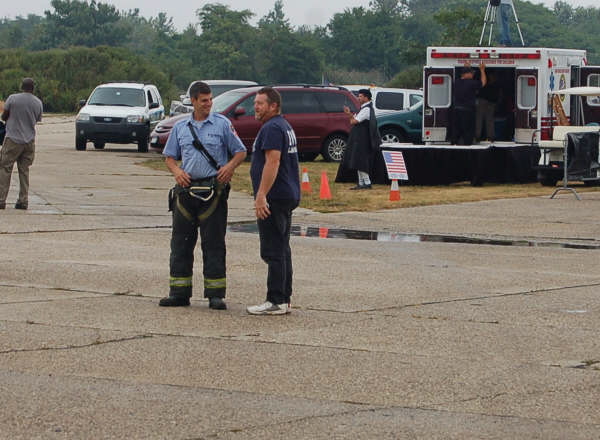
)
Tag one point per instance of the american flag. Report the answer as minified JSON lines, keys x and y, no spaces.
{"x":394,"y":163}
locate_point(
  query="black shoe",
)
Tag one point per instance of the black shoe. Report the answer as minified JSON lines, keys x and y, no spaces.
{"x":174,"y":301}
{"x":361,"y":187}
{"x":20,"y":205}
{"x":217,"y":303}
{"x":2,"y":205}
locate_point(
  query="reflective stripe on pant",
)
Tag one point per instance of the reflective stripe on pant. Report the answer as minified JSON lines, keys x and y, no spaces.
{"x":23,"y":154}
{"x":275,"y":249}
{"x":189,"y":215}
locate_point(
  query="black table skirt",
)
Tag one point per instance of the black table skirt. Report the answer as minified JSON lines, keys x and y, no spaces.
{"x":445,"y":165}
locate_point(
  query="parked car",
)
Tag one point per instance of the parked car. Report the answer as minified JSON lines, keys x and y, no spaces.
{"x":217,"y":86}
{"x":389,"y":100}
{"x":403,"y":126}
{"x":315,"y":112}
{"x":120,"y":113}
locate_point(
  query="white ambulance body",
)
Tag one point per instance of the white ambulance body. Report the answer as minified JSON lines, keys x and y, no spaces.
{"x":526,"y":78}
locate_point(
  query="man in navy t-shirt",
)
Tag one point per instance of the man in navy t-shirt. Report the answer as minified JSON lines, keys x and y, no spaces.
{"x":465,"y":96}
{"x":276,"y":184}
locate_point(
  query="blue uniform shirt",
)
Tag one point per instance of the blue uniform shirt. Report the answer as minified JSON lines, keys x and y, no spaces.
{"x":277,"y":134}
{"x":216,"y":134}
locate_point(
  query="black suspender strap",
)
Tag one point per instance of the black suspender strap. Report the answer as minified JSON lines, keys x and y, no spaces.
{"x":201,"y":148}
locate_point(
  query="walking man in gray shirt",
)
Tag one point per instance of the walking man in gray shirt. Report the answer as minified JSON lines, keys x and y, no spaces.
{"x":21,"y":112}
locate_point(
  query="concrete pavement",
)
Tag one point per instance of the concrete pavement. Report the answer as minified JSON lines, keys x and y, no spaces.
{"x":387,"y":339}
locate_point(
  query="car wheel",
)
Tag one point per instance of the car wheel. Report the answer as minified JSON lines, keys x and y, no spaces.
{"x":334,"y":147}
{"x":80,"y":143}
{"x":307,"y":157}
{"x":393,"y":135}
{"x":99,"y":145}
{"x":143,"y":145}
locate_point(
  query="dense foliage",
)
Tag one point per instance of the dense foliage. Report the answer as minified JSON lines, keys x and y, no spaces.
{"x":78,"y":44}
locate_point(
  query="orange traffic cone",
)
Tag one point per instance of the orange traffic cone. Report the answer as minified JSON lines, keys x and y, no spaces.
{"x":394,"y":191}
{"x":323,"y":232}
{"x":325,"y":192}
{"x":305,"y":186}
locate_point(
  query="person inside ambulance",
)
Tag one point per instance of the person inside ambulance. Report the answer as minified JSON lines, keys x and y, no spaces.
{"x":465,"y":97}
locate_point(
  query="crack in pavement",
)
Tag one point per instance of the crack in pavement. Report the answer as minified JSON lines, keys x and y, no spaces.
{"x":455,"y":300}
{"x":64,"y":289}
{"x":103,"y":229}
{"x":74,"y":347}
{"x":378,"y":408}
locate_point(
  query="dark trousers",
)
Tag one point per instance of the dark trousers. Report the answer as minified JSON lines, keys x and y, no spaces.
{"x":275,"y":249}
{"x":463,"y":125}
{"x":210,"y":217}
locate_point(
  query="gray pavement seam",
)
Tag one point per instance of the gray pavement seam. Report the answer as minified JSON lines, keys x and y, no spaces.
{"x":74,"y":347}
{"x":65,"y":289}
{"x":455,"y":300}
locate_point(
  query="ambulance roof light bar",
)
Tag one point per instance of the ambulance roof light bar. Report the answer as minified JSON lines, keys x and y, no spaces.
{"x":487,"y":55}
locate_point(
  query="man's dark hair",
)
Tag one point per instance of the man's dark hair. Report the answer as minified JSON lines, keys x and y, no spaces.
{"x":467,"y":70}
{"x":27,"y":85}
{"x":199,"y":88}
{"x":365,"y":92}
{"x":273,"y":95}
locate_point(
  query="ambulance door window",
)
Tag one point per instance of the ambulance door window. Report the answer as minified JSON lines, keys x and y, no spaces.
{"x":440,"y":91}
{"x":526,"y":92}
{"x":593,"y":80}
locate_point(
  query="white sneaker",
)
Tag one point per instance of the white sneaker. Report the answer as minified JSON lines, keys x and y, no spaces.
{"x":268,"y":308}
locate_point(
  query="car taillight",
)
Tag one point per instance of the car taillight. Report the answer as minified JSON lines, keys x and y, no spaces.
{"x":437,"y":80}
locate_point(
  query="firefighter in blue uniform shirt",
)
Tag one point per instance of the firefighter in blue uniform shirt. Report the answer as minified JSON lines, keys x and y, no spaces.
{"x":204,"y":143}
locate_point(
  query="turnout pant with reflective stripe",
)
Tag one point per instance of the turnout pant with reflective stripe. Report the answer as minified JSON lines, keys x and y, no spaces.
{"x":210,"y":217}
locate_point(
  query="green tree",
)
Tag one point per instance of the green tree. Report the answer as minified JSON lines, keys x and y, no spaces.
{"x":226,"y":42}
{"x":79,"y":23}
{"x":282,"y":55}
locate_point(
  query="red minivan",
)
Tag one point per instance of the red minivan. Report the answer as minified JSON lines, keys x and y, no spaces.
{"x":315,"y":112}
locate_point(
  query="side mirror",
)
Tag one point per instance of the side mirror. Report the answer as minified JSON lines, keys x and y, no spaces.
{"x":181,"y":97}
{"x":239,"y":111}
{"x":186,"y":101}
{"x":154,"y":105}
{"x":82,"y":103}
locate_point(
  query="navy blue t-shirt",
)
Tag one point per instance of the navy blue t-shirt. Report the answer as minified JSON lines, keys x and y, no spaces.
{"x":277,"y":134}
{"x":465,"y":92}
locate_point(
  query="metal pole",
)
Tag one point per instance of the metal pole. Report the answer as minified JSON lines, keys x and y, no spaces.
{"x":517,"y":22}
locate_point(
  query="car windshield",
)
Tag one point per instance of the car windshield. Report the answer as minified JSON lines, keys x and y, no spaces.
{"x":416,"y":106}
{"x":222,"y":102}
{"x":120,"y":96}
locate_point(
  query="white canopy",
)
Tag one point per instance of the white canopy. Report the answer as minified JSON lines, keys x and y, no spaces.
{"x":580,"y":91}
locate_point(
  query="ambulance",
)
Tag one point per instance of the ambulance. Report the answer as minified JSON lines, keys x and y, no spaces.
{"x":526,"y":77}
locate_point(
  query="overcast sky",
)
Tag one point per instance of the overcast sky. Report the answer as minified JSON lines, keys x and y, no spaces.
{"x":299,"y":12}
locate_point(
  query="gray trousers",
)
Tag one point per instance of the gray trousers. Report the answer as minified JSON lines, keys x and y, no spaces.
{"x":485,"y":115}
{"x":23,"y":154}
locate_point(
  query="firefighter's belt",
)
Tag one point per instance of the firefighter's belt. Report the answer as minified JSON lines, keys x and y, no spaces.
{"x":202,"y":189}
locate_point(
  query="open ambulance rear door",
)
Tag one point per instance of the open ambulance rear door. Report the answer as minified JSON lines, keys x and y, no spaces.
{"x":526,"y":105}
{"x":438,"y":84}
{"x":590,"y":76}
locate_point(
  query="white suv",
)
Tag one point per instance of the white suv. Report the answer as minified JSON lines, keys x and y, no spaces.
{"x":389,"y":100}
{"x":120,"y":113}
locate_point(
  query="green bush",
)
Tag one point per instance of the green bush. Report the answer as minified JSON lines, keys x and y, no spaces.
{"x":64,"y":76}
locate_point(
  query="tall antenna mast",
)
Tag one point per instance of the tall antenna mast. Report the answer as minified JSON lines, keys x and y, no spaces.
{"x":491,"y":13}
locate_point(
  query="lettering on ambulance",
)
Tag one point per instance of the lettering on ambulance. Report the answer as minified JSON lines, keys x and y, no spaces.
{"x":293,"y":148}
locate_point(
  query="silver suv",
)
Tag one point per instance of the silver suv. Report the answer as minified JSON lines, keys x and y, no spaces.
{"x":120,"y":113}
